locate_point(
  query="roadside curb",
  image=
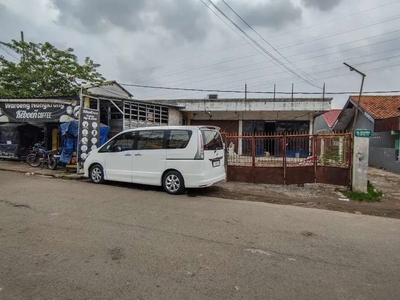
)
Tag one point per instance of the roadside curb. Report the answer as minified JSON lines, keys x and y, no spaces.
{"x":58,"y":175}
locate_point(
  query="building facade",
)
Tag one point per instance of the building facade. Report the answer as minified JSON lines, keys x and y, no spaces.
{"x":380,"y":114}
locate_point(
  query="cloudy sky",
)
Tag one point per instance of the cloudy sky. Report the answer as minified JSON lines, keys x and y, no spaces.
{"x":188,"y":43}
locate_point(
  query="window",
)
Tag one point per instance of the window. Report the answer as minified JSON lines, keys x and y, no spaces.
{"x":123,"y":141}
{"x":178,"y":139}
{"x":212,"y":140}
{"x":150,"y":140}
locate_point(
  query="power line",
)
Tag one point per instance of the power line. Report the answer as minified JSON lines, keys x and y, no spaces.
{"x":264,"y":92}
{"x":335,"y":34}
{"x":314,"y":66}
{"x":277,"y":62}
{"x":342,"y":32}
{"x":295,"y":55}
{"x":5,"y":50}
{"x":268,"y":67}
{"x":268,"y":43}
{"x":346,"y":74}
{"x":273,"y":36}
{"x":335,"y":69}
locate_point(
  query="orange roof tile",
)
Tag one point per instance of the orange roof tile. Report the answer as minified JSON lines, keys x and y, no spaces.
{"x":331,"y":116}
{"x":380,"y":107}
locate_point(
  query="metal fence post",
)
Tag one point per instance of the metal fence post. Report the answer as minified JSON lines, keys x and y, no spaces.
{"x":284,"y":142}
{"x":253,"y":150}
{"x":315,"y":145}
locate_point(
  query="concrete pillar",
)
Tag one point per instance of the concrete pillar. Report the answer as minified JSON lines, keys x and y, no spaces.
{"x":240,"y":133}
{"x":341,"y":140}
{"x":311,"y":132}
{"x":322,"y":147}
{"x":360,"y":164}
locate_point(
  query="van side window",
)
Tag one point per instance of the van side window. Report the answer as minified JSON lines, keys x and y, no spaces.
{"x":123,"y":142}
{"x":212,"y":139}
{"x":178,"y":139}
{"x":150,"y":140}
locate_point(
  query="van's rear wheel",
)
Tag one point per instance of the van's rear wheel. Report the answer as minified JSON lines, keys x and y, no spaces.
{"x":173,"y":183}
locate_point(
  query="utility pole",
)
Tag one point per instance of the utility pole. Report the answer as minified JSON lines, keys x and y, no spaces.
{"x":359,"y":97}
{"x":23,"y":42}
{"x":292,"y":90}
{"x":245,"y":91}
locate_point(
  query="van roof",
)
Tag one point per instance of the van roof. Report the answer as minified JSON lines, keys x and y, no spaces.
{"x":173,"y":127}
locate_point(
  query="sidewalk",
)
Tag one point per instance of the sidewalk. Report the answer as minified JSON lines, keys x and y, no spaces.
{"x":321,"y":196}
{"x":24,"y":168}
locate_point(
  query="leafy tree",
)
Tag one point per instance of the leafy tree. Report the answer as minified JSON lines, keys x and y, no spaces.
{"x":43,"y":70}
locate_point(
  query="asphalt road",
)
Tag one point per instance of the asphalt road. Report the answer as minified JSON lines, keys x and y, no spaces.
{"x":75,"y":240}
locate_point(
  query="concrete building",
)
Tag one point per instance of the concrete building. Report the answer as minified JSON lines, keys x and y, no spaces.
{"x":256,"y":117}
{"x":381,"y":115}
{"x":253,"y":116}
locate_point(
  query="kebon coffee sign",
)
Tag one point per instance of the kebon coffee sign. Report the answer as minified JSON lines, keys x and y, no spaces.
{"x":89,"y":132}
{"x":38,"y":112}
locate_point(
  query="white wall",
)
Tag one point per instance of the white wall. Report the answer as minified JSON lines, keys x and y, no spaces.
{"x":261,"y":115}
{"x":174,"y":117}
{"x":266,"y":105}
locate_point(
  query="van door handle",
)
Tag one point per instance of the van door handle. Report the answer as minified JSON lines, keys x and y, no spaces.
{"x":128,"y":154}
{"x":138,"y":154}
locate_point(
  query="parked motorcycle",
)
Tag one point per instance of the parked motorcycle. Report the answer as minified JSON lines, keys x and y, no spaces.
{"x":41,"y":156}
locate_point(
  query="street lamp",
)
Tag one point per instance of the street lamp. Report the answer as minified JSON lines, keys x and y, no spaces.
{"x":359,"y":97}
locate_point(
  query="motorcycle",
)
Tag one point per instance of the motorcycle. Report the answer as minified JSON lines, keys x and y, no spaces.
{"x":41,"y":156}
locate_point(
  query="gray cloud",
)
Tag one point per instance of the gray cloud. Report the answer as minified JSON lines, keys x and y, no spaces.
{"x":99,"y":16}
{"x":323,"y":5}
{"x":273,"y":14}
{"x":182,"y":19}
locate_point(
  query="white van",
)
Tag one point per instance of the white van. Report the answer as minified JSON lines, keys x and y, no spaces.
{"x":175,"y":157}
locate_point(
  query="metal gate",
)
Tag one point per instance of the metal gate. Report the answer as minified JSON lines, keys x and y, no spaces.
{"x":289,"y":158}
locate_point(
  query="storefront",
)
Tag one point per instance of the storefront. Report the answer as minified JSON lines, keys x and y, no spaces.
{"x":106,"y":105}
{"x":23,"y":122}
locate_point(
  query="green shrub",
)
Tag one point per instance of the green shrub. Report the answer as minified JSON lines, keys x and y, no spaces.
{"x":371,"y":195}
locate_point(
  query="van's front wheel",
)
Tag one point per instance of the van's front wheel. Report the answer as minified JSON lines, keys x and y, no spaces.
{"x":96,"y":174}
{"x":173,"y":183}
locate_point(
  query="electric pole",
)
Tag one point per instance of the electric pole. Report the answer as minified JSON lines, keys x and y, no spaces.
{"x":23,"y":46}
{"x":359,"y":97}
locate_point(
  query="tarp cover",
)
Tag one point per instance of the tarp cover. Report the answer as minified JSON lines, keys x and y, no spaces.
{"x":69,"y":133}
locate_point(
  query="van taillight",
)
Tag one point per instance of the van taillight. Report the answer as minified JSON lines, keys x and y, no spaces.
{"x":200,"y":150}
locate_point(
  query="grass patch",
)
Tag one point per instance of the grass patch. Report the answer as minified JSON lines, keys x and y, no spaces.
{"x":372,"y":195}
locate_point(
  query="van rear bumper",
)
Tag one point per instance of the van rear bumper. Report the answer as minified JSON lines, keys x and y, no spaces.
{"x":199,"y":181}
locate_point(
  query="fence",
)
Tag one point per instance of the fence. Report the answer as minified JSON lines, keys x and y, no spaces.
{"x":292,"y":158}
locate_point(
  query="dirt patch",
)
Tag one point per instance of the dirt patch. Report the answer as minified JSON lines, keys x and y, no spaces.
{"x":116,"y":253}
{"x":319,"y":196}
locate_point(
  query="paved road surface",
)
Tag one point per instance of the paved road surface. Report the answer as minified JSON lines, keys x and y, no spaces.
{"x":74,"y":240}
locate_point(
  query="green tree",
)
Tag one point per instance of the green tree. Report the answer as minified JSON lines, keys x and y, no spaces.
{"x":43,"y":70}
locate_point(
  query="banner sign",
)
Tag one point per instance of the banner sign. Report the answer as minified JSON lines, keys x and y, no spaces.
{"x":38,"y":112}
{"x":89,"y":132}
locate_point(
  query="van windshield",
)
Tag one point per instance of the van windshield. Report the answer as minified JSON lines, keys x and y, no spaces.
{"x":212,"y":139}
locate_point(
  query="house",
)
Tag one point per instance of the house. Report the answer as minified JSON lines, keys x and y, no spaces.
{"x":381,"y":115}
{"x":255,"y":116}
{"x":325,"y":122}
